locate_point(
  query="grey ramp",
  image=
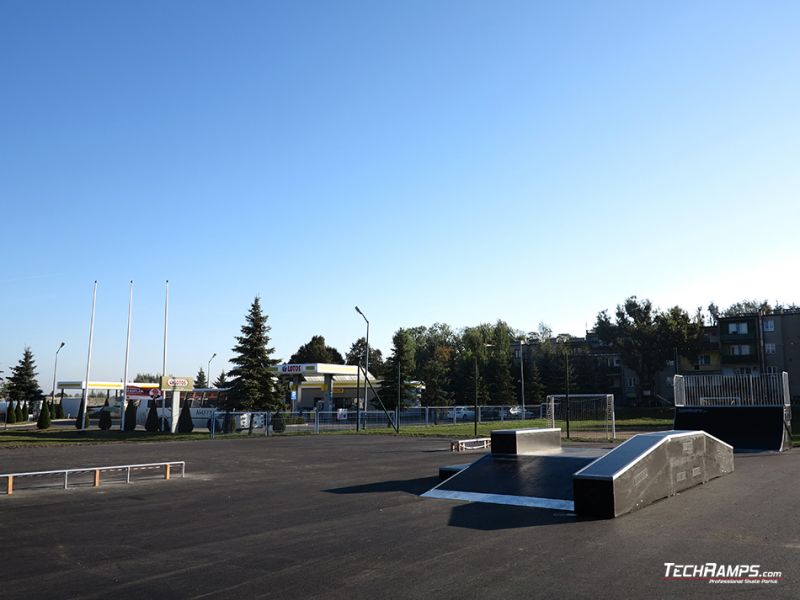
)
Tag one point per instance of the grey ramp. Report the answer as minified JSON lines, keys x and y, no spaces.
{"x":543,"y":481}
{"x":525,"y":441}
{"x":647,"y":468}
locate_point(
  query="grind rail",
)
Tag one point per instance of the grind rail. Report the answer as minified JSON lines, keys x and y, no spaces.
{"x":10,"y":477}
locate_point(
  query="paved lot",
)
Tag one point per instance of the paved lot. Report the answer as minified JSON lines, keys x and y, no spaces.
{"x":340,"y":517}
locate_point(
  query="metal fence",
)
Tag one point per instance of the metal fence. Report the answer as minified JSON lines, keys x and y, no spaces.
{"x":305,"y":422}
{"x":732,"y":390}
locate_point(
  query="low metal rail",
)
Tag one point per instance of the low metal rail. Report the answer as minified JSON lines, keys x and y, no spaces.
{"x":10,"y":477}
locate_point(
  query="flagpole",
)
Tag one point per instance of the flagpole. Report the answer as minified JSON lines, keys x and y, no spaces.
{"x":85,"y":401}
{"x":164,"y":363}
{"x":127,"y":356}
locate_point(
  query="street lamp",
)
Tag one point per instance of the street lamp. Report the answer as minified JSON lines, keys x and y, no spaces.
{"x":366,"y":357}
{"x":55,"y":369}
{"x":208,"y":371}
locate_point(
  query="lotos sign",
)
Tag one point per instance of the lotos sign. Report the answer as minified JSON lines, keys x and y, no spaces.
{"x":178,"y":384}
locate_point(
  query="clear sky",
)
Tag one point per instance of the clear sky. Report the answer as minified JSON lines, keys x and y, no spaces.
{"x":452,"y":161}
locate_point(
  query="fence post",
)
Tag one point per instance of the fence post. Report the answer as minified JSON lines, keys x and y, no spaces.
{"x":10,"y":485}
{"x":426,"y":416}
{"x":316,"y":421}
{"x":96,"y":477}
{"x":166,"y":471}
{"x":267,"y":423}
{"x":213,"y":423}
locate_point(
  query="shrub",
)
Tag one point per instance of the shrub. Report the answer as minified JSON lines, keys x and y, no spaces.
{"x":18,"y":413}
{"x":44,"y":417}
{"x":105,"y":417}
{"x":151,"y":424}
{"x":11,"y":414}
{"x":278,"y":424}
{"x":59,"y":411}
{"x":185,"y":424}
{"x":130,"y":416}
{"x":26,"y":413}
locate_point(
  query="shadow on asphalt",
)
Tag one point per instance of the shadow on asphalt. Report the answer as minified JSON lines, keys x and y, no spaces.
{"x":492,"y":517}
{"x":409,"y":486}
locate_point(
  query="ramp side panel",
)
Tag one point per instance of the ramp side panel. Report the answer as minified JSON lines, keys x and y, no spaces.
{"x":743,"y":427}
{"x":525,"y":441}
{"x":677,"y":463}
{"x":533,"y":476}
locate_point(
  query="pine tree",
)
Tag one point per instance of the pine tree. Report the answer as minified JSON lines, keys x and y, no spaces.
{"x":200,"y":380}
{"x":105,"y":418}
{"x":22,"y":384}
{"x":44,"y":417}
{"x":185,"y":424}
{"x":254,"y":383}
{"x":222,"y":381}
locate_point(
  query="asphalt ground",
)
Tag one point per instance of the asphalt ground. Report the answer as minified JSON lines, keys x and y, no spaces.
{"x":341,"y":517}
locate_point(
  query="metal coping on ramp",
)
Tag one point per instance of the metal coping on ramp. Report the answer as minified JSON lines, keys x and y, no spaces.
{"x":95,"y":471}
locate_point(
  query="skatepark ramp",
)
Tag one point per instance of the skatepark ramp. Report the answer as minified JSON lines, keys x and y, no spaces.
{"x":528,"y":467}
{"x":749,"y":412}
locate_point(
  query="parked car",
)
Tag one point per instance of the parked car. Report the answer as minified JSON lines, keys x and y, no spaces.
{"x":516,"y":412}
{"x":460,"y":413}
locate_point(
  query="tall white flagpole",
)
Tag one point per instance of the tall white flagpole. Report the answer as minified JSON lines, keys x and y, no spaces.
{"x":164,"y":364}
{"x":85,"y":402}
{"x":127,"y":357}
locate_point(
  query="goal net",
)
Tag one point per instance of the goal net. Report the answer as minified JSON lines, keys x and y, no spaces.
{"x":582,"y":415}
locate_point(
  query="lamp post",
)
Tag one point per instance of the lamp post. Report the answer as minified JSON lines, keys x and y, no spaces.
{"x":208,"y":371}
{"x":366,"y":357}
{"x":55,"y":370}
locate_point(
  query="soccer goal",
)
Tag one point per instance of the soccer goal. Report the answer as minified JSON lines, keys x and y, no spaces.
{"x":582,"y":415}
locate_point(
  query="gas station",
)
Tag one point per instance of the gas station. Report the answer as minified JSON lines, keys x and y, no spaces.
{"x":324,"y":386}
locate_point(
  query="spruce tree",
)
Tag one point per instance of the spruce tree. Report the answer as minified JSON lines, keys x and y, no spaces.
{"x":254,"y":382}
{"x":200,"y":380}
{"x":22,"y":384}
{"x":222,"y":381}
{"x":105,"y":418}
{"x":44,"y":417}
{"x":185,"y":424}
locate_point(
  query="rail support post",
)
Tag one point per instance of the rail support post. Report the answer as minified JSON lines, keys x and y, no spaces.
{"x":166,"y":471}
{"x":9,"y":485}
{"x":96,"y":477}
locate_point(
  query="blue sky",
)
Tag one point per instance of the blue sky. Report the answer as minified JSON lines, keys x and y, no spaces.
{"x":442,"y":161}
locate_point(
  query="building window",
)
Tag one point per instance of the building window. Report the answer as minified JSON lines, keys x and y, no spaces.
{"x":630,"y":382}
{"x":703,"y":360}
{"x":769,"y":348}
{"x":740,"y":350}
{"x":740,"y":328}
{"x":769,"y":324}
